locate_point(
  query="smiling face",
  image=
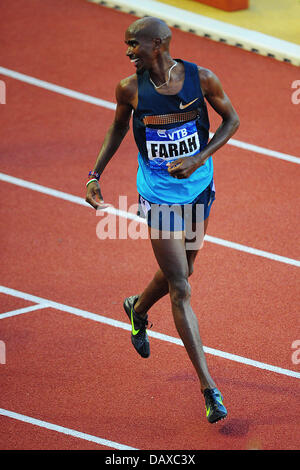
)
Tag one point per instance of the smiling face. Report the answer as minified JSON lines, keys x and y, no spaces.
{"x":140,"y":50}
{"x":146,"y":39}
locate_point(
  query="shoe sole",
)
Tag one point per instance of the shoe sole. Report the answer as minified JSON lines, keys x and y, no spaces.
{"x":221,"y":418}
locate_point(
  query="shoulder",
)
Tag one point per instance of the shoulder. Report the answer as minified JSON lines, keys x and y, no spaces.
{"x":210,"y":83}
{"x":126,"y":90}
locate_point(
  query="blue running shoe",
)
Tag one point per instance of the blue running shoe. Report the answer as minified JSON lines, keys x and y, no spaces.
{"x":215,"y":410}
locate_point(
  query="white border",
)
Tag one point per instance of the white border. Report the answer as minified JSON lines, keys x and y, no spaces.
{"x":216,"y":30}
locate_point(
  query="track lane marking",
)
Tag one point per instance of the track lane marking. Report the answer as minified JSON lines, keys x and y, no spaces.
{"x":109,"y":105}
{"x":78,"y":200}
{"x":126,"y":326}
{"x":56,"y":88}
{"x":64,"y":430}
{"x":20,"y":311}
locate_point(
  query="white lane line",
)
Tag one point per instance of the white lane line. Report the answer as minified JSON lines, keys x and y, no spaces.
{"x":78,"y":200}
{"x":263,"y":151}
{"x":125,"y":326}
{"x":109,"y":105}
{"x":252,"y":251}
{"x":63,"y":430}
{"x":20,"y":311}
{"x":56,"y":88}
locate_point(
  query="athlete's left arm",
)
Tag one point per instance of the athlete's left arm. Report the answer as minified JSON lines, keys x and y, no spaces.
{"x":219,"y":101}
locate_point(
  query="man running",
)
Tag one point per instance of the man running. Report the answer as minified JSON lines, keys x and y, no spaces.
{"x":171,"y":130}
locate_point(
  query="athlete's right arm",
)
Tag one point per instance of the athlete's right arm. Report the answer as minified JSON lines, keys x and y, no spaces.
{"x":125,"y":97}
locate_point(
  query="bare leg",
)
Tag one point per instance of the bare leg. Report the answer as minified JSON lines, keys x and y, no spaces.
{"x":172,"y":259}
{"x":157,"y":289}
{"x":159,"y":286}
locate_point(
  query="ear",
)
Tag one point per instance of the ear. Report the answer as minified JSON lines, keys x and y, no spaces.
{"x":156,"y":43}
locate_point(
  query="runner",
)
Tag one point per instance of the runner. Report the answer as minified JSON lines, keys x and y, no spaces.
{"x":174,"y":178}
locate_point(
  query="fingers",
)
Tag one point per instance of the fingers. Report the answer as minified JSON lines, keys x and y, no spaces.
{"x":173,"y":168}
{"x":98,"y":205}
{"x":103,"y":205}
{"x":92,"y":200}
{"x":182,"y":168}
{"x":94,"y":197}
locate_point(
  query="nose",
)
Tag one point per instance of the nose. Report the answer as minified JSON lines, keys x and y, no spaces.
{"x":129,"y":51}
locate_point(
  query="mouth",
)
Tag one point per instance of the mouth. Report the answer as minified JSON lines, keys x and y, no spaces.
{"x":135,"y":61}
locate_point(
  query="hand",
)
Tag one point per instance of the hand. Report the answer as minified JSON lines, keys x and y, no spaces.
{"x":94,"y":196}
{"x":184,"y":167}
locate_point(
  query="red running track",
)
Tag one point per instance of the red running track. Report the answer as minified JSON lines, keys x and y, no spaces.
{"x":81,"y":374}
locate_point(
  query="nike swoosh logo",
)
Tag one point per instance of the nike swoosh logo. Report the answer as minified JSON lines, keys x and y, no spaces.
{"x":134,"y":331}
{"x":183,"y":106}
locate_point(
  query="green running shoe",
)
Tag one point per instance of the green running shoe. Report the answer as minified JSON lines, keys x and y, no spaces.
{"x":215,"y":410}
{"x":139,"y":336}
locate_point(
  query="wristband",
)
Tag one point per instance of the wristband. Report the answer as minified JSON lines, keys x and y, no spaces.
{"x":94,"y":174}
{"x":94,"y":179}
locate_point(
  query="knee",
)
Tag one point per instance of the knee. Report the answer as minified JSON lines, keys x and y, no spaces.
{"x":180,"y":290}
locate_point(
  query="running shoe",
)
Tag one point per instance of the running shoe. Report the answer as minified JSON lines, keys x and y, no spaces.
{"x":215,"y":410}
{"x":139,"y":336}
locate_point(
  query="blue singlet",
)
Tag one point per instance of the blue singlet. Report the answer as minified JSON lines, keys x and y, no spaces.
{"x":159,"y":144}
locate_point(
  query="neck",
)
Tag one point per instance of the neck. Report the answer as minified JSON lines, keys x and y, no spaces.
{"x":161,"y":73}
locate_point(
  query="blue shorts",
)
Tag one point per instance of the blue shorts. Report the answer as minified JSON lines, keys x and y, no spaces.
{"x":177,"y":217}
